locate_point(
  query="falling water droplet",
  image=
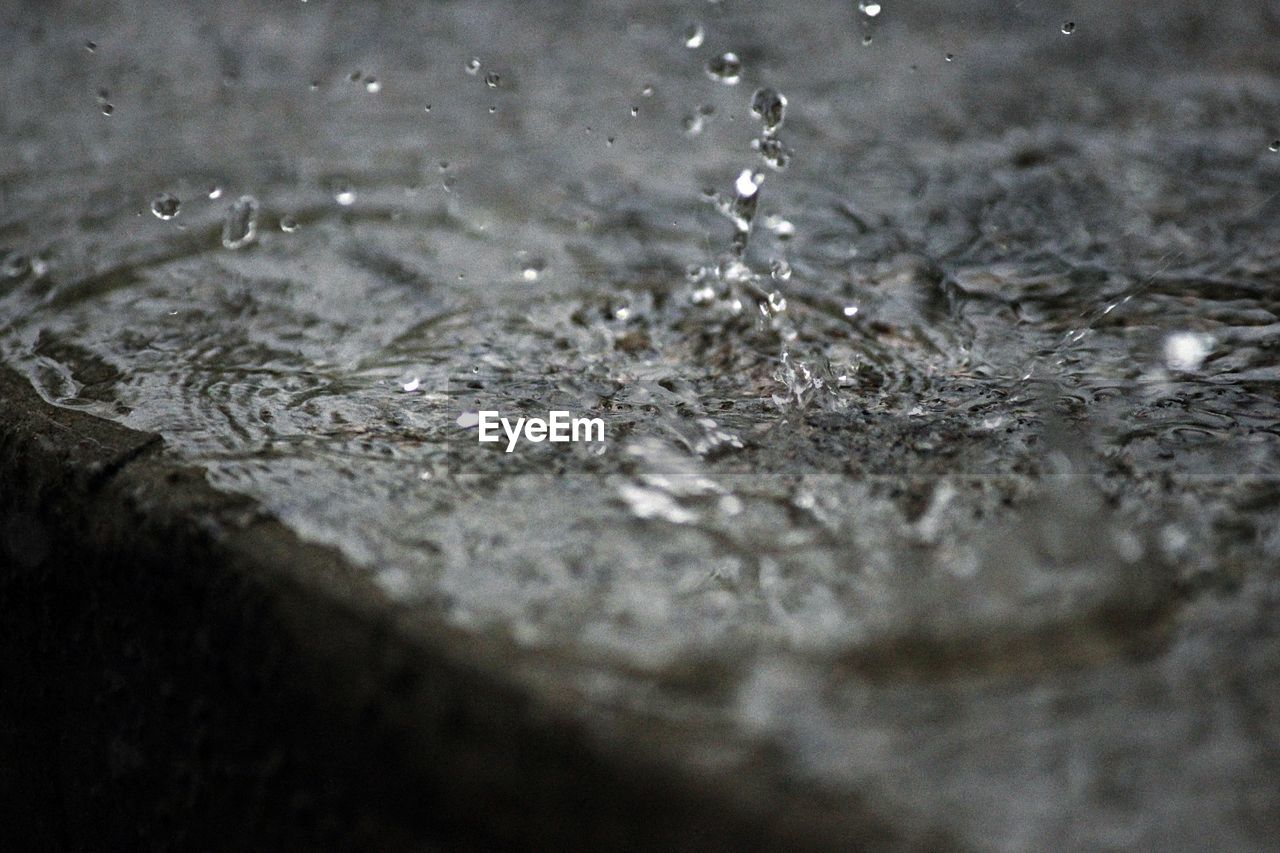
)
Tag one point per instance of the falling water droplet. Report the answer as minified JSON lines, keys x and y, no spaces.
{"x":648,"y":90}
{"x":531,"y":268}
{"x":90,"y":46}
{"x":1068,"y":27}
{"x":372,"y":86}
{"x":747,"y":184}
{"x":781,"y":228}
{"x":1186,"y":351}
{"x":15,"y":265}
{"x":773,"y":151}
{"x":288,"y":224}
{"x":1274,"y":146}
{"x":345,"y":196}
{"x":780,"y":269}
{"x":692,"y":124}
{"x":850,"y":310}
{"x":411,"y":385}
{"x":492,"y":80}
{"x":165,"y":206}
{"x":473,"y":65}
{"x":108,"y":109}
{"x":215,"y":192}
{"x":870,"y":9}
{"x":635,"y":111}
{"x":694,"y":35}
{"x":770,"y":106}
{"x":950,"y":57}
{"x":726,"y":68}
{"x":240,"y":226}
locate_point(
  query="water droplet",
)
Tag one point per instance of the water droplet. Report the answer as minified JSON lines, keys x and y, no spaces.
{"x":609,"y":141}
{"x":90,"y":46}
{"x":635,"y":111}
{"x":473,"y":65}
{"x":532,"y":268}
{"x":354,"y":76}
{"x":240,"y":227}
{"x":869,"y":9}
{"x":165,"y":206}
{"x":288,"y":224}
{"x":345,"y":196}
{"x":726,"y":68}
{"x":781,"y":228}
{"x":694,"y":35}
{"x":780,"y":269}
{"x":747,"y":185}
{"x":866,"y":40}
{"x":950,"y":57}
{"x":372,"y":85}
{"x":770,"y":106}
{"x":492,"y":80}
{"x":692,"y":124}
{"x":215,"y":192}
{"x":648,"y":90}
{"x":772,"y":150}
{"x":1186,"y":351}
{"x":314,"y":85}
{"x":15,"y":265}
{"x":108,"y":109}
{"x":412,"y":385}
{"x":1068,"y":27}
{"x":850,"y":310}
{"x":493,"y":108}
{"x":427,"y":108}
{"x":1274,"y":146}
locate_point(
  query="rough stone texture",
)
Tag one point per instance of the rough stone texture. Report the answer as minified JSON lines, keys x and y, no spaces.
{"x":986,"y":562}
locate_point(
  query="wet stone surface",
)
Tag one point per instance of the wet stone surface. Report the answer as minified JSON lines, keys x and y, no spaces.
{"x":943,"y":460}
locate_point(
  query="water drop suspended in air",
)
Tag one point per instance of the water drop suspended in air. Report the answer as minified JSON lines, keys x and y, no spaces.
{"x":372,"y":86}
{"x":692,"y":124}
{"x":950,"y":57}
{"x":215,"y":192}
{"x":531,"y":268}
{"x":15,"y":265}
{"x":726,"y":68}
{"x":1274,"y":146}
{"x":108,"y":109}
{"x":870,"y":9}
{"x":473,"y":65}
{"x":772,"y":150}
{"x":288,"y":224}
{"x":345,"y":196}
{"x":240,"y":226}
{"x":780,"y":269}
{"x":770,"y":106}
{"x":1068,"y":27}
{"x":492,"y":80}
{"x":694,"y":35}
{"x":90,"y":46}
{"x":1186,"y":351}
{"x":165,"y":206}
{"x":648,"y":90}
